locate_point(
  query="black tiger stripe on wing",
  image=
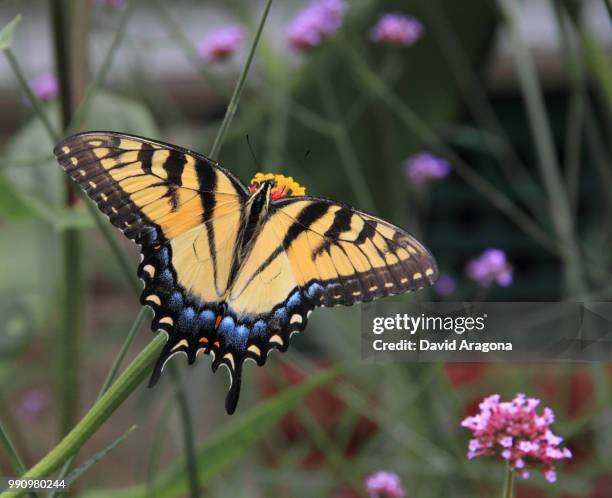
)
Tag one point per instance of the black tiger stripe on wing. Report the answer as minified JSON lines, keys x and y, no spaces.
{"x":139,"y":183}
{"x":395,"y":261}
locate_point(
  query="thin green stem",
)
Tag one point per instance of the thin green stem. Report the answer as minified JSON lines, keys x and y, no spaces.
{"x":68,"y":359}
{"x":477,"y":102}
{"x":188,"y":435}
{"x":508,"y":491}
{"x":545,"y":148}
{"x":112,"y":373}
{"x":101,"y":411}
{"x":372,"y":83}
{"x":100,"y":78}
{"x":32,"y":98}
{"x":68,"y":343}
{"x":349,"y":160}
{"x":233,"y":104}
{"x":110,"y":377}
{"x":11,"y":451}
{"x":13,"y":455}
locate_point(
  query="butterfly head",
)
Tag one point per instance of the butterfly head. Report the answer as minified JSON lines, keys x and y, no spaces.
{"x":275,"y":186}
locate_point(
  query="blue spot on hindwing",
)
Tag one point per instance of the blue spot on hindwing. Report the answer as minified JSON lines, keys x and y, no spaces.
{"x":176,"y":302}
{"x":226,"y":326}
{"x":294,"y":301}
{"x":207,"y":319}
{"x":186,"y":321}
{"x":260,"y":328}
{"x":281,"y":315}
{"x":164,"y":256}
{"x":314,"y":291}
{"x":166,"y":277}
{"x":238,"y":337}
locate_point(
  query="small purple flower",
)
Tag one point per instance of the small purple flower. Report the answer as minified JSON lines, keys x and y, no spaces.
{"x":425,"y":168}
{"x":384,"y":484}
{"x":319,"y":21}
{"x":396,"y":29}
{"x":531,"y":443}
{"x":220,"y":44}
{"x":32,"y":402}
{"x":446,"y":285}
{"x":45,"y":86}
{"x":491,"y":266}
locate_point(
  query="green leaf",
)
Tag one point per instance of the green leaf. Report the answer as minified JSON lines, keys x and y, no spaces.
{"x":6,"y":34}
{"x":13,"y":205}
{"x":227,"y":445}
{"x":81,"y":469}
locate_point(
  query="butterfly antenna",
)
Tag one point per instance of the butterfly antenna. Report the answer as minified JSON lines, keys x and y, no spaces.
{"x":257,"y":163}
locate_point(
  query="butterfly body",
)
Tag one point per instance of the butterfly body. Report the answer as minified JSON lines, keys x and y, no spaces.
{"x":232,"y":271}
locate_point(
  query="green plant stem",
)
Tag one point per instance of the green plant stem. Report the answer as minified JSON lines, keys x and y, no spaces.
{"x":100,"y":78}
{"x":508,"y":491}
{"x":68,"y":343}
{"x":349,"y":160}
{"x":112,"y":373}
{"x":68,"y":359}
{"x":102,"y":409}
{"x":110,"y":377}
{"x":11,"y":451}
{"x":233,"y":104}
{"x":558,"y":201}
{"x":13,"y":455}
{"x":372,"y":83}
{"x":188,"y":434}
{"x":27,"y":89}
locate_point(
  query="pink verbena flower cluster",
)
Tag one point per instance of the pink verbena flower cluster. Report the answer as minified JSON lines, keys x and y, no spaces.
{"x":396,"y":29}
{"x":384,"y":484}
{"x":514,"y":431}
{"x":220,"y":44}
{"x":319,"y":21}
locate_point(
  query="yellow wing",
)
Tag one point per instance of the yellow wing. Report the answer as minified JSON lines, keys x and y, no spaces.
{"x":314,"y":252}
{"x":140,"y":183}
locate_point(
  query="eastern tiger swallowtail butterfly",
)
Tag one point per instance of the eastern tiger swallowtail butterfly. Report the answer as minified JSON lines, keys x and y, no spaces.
{"x":235,"y":271}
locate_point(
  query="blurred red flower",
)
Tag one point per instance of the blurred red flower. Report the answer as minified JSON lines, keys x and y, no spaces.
{"x":324,"y":407}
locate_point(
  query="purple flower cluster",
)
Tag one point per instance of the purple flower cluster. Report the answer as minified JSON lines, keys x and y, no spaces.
{"x":220,"y":44}
{"x":425,"y":168}
{"x":45,"y":86}
{"x":514,"y":431}
{"x":396,"y":29}
{"x":491,"y":266}
{"x":319,"y":21}
{"x":383,"y":484}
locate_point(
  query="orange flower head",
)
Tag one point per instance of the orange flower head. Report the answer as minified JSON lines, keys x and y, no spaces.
{"x":284,"y":186}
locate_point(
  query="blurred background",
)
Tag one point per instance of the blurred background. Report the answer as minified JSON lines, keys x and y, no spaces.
{"x":482,"y":127}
